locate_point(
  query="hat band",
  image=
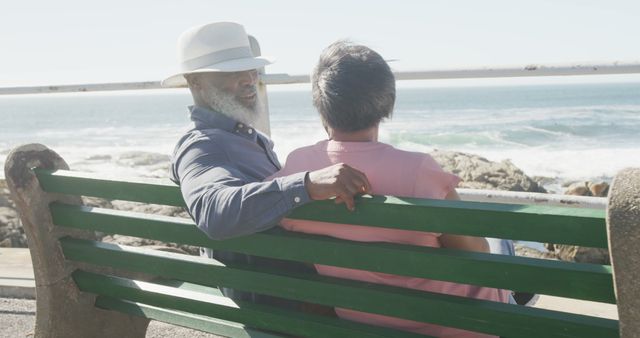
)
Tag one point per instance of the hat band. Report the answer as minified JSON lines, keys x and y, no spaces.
{"x":216,"y":57}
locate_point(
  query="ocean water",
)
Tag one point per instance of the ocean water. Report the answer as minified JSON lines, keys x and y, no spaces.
{"x":567,"y":132}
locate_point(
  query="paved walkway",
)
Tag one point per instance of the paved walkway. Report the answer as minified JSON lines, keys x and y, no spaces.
{"x":18,"y":318}
{"x":16,"y":274}
{"x":18,"y":305}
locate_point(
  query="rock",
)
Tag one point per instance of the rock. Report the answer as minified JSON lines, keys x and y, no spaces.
{"x":131,"y":241}
{"x":599,"y":189}
{"x":525,"y":251}
{"x":143,"y":242}
{"x":167,"y":249}
{"x":8,"y":216}
{"x":585,"y":188}
{"x":11,"y":233}
{"x":150,"y":208}
{"x":5,"y":243}
{"x":573,"y":253}
{"x":578,"y":189}
{"x":5,"y":198}
{"x":97,"y":202}
{"x":479,"y":173}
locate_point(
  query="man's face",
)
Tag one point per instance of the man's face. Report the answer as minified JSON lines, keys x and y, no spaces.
{"x":240,"y":85}
{"x":231,"y":93}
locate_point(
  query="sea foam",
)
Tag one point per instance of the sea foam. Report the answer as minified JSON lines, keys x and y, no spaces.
{"x":565,"y":132}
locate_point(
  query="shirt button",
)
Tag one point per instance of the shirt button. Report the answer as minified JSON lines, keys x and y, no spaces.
{"x":296,"y":199}
{"x":250,"y":131}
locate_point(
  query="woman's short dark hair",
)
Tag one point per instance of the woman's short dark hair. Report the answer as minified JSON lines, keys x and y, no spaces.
{"x":353,"y":87}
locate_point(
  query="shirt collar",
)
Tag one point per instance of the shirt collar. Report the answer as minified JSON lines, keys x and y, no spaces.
{"x":208,"y":119}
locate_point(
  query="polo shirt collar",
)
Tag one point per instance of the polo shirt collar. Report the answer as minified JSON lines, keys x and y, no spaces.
{"x":208,"y":119}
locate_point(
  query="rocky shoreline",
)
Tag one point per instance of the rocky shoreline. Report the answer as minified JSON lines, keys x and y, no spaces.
{"x":476,"y":173}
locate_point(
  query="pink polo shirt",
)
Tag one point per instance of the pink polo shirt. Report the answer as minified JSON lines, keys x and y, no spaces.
{"x":391,"y":172}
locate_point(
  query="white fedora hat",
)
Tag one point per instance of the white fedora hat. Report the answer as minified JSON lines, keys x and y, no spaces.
{"x":214,"y":47}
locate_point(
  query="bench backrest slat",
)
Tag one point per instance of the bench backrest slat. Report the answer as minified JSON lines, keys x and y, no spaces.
{"x":584,"y":227}
{"x":491,"y":317}
{"x":582,"y":281}
{"x":147,"y":190}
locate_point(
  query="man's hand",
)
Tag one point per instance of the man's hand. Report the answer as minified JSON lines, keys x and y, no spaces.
{"x":339,"y":181}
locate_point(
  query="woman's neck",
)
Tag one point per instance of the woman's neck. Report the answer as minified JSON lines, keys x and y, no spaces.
{"x":365,"y":135}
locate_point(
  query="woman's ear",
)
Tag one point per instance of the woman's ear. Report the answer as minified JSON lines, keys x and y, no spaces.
{"x":327,"y":129}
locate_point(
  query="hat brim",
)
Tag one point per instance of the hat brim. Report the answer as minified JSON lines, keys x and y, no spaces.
{"x":237,"y":65}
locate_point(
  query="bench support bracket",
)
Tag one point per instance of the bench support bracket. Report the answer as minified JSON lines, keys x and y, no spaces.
{"x":623,"y":230}
{"x":62,"y":309}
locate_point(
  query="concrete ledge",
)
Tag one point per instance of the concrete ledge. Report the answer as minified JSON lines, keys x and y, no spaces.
{"x":25,"y":290}
{"x":582,"y":307}
{"x":16,"y":274}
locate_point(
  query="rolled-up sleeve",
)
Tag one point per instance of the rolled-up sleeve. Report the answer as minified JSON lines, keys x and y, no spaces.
{"x":221,"y":201}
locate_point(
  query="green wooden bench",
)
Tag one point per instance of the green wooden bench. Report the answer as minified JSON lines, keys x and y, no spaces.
{"x":86,"y":288}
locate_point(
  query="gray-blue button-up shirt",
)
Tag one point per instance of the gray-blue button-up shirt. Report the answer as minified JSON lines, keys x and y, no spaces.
{"x":220,"y":165}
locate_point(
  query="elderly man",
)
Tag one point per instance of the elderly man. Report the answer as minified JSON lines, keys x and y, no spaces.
{"x":220,"y":164}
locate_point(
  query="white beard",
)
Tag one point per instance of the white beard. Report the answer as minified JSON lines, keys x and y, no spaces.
{"x":227,"y":104}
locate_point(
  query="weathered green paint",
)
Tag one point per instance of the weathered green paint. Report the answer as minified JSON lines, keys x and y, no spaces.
{"x":250,"y":314}
{"x":484,"y":316}
{"x":574,"y":280}
{"x":584,"y":227}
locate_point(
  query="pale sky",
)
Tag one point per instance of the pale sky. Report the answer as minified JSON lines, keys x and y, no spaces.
{"x":69,"y":41}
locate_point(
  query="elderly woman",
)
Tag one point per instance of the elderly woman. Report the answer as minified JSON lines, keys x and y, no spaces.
{"x":354,"y":90}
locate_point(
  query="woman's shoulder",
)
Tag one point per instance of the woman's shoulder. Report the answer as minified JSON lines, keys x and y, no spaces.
{"x":420,"y":158}
{"x":302,"y":159}
{"x":306,"y":151}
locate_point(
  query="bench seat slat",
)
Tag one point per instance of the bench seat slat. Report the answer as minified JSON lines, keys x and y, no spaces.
{"x":146,"y":190}
{"x":584,"y":227}
{"x":574,"y":280}
{"x":484,"y":316}
{"x":184,"y":319}
{"x":254,"y":315}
